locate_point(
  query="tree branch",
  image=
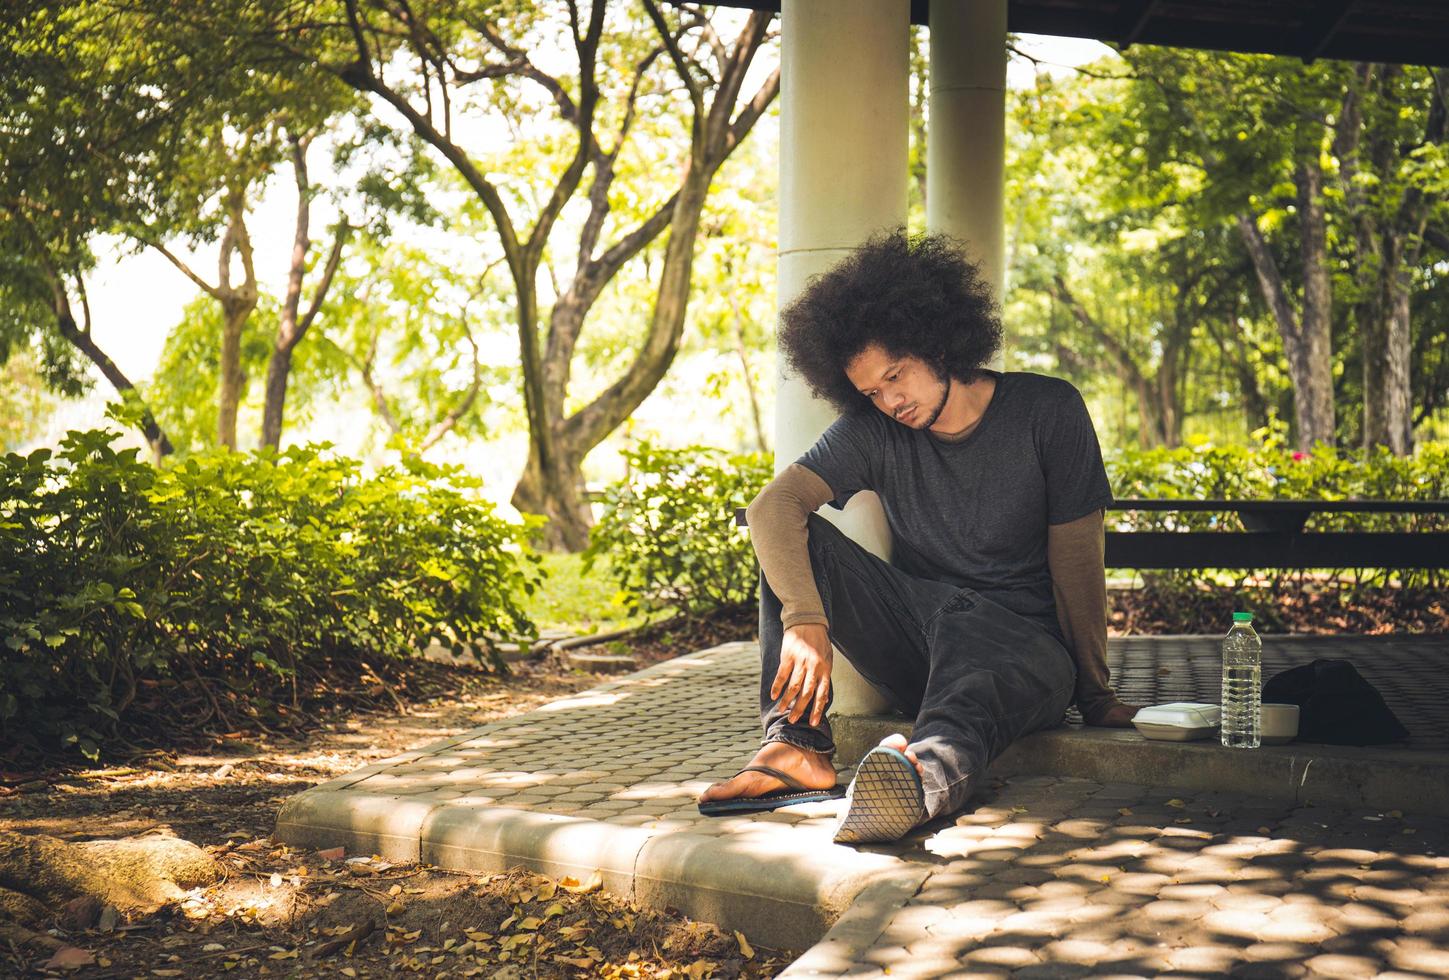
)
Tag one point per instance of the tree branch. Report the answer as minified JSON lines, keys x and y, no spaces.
{"x":334,"y":256}
{"x":445,"y":424}
{"x":568,"y":182}
{"x":681,"y":65}
{"x":360,"y":75}
{"x":202,"y":284}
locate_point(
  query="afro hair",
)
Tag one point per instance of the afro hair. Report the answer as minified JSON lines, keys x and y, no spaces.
{"x":912,"y":296}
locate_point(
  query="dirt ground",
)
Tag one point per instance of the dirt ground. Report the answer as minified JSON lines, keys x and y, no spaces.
{"x":296,"y":913}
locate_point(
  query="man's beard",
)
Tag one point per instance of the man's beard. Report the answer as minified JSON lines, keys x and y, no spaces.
{"x":940,"y":406}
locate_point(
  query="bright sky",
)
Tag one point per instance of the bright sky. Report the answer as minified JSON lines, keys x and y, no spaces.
{"x":136,"y":298}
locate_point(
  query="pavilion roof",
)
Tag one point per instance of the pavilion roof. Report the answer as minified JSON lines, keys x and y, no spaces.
{"x":1414,"y":32}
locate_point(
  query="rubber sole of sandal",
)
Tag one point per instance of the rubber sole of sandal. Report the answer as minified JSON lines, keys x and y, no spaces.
{"x":769,"y":801}
{"x":884,"y":802}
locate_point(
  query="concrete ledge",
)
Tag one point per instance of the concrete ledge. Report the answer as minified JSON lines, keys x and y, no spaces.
{"x":769,"y":889}
{"x":858,"y":929}
{"x":1326,"y":775}
{"x":363,"y":823}
{"x":772,"y":891}
{"x":492,"y":839}
{"x":1302,"y":772}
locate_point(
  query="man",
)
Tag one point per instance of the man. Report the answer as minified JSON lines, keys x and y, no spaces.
{"x":991,"y":618}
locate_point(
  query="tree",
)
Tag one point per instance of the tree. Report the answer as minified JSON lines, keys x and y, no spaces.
{"x":1333,"y":174}
{"x":1390,"y":147}
{"x":1111,"y":277}
{"x":652,"y":84}
{"x":227,"y":161}
{"x":84,"y":146}
{"x":292,"y":327}
{"x":119,"y":132}
{"x":1257,"y":128}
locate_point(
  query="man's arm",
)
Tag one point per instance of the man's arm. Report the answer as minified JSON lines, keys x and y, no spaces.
{"x":1075,"y":558}
{"x":777,"y":530}
{"x":781,"y":538}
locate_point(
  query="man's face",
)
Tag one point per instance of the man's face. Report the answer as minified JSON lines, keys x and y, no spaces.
{"x":904,"y":387}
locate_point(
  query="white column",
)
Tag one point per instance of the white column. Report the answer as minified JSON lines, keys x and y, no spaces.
{"x":843,"y":140}
{"x":966,"y":141}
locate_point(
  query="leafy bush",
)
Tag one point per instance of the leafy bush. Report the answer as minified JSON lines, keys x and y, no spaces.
{"x":220,"y":583}
{"x":668,"y":527}
{"x":669,"y":531}
{"x":1208,"y":472}
{"x":1205,"y":471}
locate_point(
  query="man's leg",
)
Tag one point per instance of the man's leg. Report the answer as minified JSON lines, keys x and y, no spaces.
{"x":994,"y":677}
{"x":873,"y":610}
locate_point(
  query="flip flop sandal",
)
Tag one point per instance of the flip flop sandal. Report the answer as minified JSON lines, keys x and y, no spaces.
{"x":885,"y":800}
{"x":794,"y":792}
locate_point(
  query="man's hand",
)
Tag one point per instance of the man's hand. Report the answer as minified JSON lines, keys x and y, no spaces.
{"x":803,"y":681}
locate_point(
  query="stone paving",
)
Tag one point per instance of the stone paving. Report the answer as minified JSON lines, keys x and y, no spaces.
{"x":1046,"y":877}
{"x":1057,"y":877}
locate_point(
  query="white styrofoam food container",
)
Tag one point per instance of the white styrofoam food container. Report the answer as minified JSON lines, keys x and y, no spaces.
{"x":1179,"y":721}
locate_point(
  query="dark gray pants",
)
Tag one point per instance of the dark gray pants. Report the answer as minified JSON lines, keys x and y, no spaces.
{"x":975,"y":675}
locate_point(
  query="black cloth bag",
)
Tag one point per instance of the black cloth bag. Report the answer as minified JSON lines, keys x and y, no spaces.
{"x":1336,"y":705}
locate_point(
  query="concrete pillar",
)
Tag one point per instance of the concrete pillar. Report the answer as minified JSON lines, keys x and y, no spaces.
{"x":844,"y":96}
{"x":966,"y":141}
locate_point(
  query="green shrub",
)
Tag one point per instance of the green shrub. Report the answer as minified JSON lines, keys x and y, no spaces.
{"x":668,"y":527}
{"x":225,"y":577}
{"x":1207,"y":472}
{"x":669,"y":530}
{"x":1204,"y":471}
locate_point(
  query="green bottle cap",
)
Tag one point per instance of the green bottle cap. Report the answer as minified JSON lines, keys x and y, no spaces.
{"x":1242,"y":617}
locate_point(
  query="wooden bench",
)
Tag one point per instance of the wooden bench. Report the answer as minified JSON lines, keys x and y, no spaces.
{"x":1275,"y":537}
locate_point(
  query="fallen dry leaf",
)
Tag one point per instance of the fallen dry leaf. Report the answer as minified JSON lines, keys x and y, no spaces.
{"x":70,"y":958}
{"x":746,"y":950}
{"x":575,"y":887}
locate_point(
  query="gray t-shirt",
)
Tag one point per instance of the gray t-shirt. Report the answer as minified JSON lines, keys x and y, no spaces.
{"x":974,"y":513}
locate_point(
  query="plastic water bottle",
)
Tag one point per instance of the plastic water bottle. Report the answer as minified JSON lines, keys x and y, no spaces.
{"x":1242,"y":684}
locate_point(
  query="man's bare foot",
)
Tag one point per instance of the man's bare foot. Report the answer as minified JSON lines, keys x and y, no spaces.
{"x":813,"y":769}
{"x":1110,"y":714}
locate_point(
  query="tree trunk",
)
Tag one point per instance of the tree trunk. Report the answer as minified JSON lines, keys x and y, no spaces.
{"x":279,"y":369}
{"x":762,"y":443}
{"x":236,"y":306}
{"x":1314,"y":391}
{"x":1255,"y":406}
{"x":559,"y":495}
{"x":1270,"y":283}
{"x":233,"y":378}
{"x":1398,"y":395}
{"x":1151,"y":432}
{"x":289,"y":331}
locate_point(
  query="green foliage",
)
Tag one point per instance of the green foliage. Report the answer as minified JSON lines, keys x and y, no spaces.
{"x":183,"y":391}
{"x":25,"y":402}
{"x":668,"y":527}
{"x":238,"y":574}
{"x":579,"y":599}
{"x":1208,"y":471}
